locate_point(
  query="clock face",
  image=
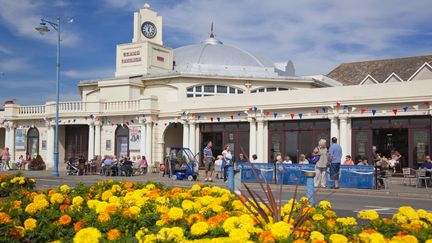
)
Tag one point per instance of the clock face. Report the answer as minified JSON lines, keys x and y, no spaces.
{"x":148,"y":29}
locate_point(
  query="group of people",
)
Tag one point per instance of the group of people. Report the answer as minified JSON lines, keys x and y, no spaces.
{"x":109,"y":165}
{"x":221,"y":165}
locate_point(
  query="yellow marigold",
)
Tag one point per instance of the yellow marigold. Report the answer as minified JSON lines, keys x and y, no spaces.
{"x":338,"y":238}
{"x":404,"y":239}
{"x":175,"y":213}
{"x":194,"y":218}
{"x":4,"y":218}
{"x":135,"y":210}
{"x":409,"y":212}
{"x":281,"y":230}
{"x":187,"y":205}
{"x":349,"y":221}
{"x":17,"y":232}
{"x":196,"y":187}
{"x":330,"y":214}
{"x":101,"y":207}
{"x":116,"y":188}
{"x":170,"y":234}
{"x":106,"y":195}
{"x":65,"y":220}
{"x":64,"y":188}
{"x":316,"y":235}
{"x":230,"y":224}
{"x":239,"y":235}
{"x":57,"y":198}
{"x":324,"y":205}
{"x":200,"y":228}
{"x":217,"y":208}
{"x":150,"y":186}
{"x":113,"y":234}
{"x":373,"y":237}
{"x":104,"y":217}
{"x":368,"y":215}
{"x":140,"y":234}
{"x":77,"y":201}
{"x":87,"y":235}
{"x":114,"y":200}
{"x":318,"y":217}
{"x":56,"y":241}
{"x":30,"y":224}
{"x":237,"y":205}
{"x":17,"y":204}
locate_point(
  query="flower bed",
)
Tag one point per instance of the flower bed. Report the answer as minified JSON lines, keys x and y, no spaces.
{"x":126,"y":212}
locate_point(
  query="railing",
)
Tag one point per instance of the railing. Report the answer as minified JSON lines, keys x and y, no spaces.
{"x":129,"y":105}
{"x":72,"y":106}
{"x":31,"y":110}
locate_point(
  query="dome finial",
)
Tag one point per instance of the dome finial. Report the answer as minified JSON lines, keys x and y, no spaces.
{"x":211,"y":31}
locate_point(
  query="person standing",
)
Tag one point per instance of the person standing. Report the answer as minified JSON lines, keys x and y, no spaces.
{"x":5,"y":159}
{"x":321,"y":165}
{"x":335,"y":157}
{"x":242,"y":158}
{"x":208,"y":161}
{"x":227,"y":157}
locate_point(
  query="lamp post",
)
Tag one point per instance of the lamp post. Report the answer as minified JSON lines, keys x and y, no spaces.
{"x":43,"y":28}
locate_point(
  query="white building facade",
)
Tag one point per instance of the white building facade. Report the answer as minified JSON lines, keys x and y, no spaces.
{"x":161,"y":97}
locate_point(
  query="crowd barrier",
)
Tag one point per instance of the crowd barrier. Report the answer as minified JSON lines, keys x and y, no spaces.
{"x":351,"y":176}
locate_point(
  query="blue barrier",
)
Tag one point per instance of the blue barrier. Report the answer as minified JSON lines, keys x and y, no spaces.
{"x":351,"y":176}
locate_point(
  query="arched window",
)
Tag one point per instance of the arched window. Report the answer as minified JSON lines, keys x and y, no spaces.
{"x":211,"y":90}
{"x":269,"y":89}
{"x":122,"y":141}
{"x":33,"y":142}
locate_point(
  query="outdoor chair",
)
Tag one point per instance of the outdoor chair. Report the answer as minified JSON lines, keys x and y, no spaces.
{"x":421,"y":176}
{"x":408,"y":175}
{"x":156,"y":167}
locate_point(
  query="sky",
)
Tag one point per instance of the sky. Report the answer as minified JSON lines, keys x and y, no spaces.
{"x":316,"y":35}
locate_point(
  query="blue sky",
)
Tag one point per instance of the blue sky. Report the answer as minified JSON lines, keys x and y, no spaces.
{"x":316,"y":35}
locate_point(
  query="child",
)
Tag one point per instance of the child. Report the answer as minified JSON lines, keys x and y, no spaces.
{"x":218,"y":167}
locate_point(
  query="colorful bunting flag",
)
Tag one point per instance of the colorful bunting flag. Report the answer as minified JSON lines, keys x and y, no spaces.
{"x":373,"y":112}
{"x":416,"y":107}
{"x":405,"y":108}
{"x":338,"y":105}
{"x":275,"y":114}
{"x":292,"y":116}
{"x":362,"y":110}
{"x":300,"y":115}
{"x":395,"y":111}
{"x":218,"y":119}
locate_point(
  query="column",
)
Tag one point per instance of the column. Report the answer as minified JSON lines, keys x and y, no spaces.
{"x":149,"y":131}
{"x":97,"y":139}
{"x":343,"y":139}
{"x":50,"y":147}
{"x":260,"y":139}
{"x":334,"y":128}
{"x":7,"y":136}
{"x":192,"y":136}
{"x":185,"y":134}
{"x":12,"y":143}
{"x":91,"y":143}
{"x":252,"y":137}
{"x":265,"y":141}
{"x":143,"y":139}
{"x":349,"y":136}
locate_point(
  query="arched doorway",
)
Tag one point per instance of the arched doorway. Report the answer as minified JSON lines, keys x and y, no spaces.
{"x":122,"y":141}
{"x":173,"y":136}
{"x":33,"y":142}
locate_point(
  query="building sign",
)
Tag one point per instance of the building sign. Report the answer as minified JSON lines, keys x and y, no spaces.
{"x":131,"y":57}
{"x":20,"y":139}
{"x":134,"y":137}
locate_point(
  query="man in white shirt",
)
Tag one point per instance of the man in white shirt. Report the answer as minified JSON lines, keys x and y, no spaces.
{"x":287,"y":160}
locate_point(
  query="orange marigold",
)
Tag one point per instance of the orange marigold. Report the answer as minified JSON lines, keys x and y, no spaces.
{"x":194,"y":218}
{"x":299,"y":241}
{"x":113,"y":234}
{"x":67,"y":201}
{"x":266,"y":237}
{"x":17,"y":204}
{"x":111,"y":208}
{"x":63,"y":208}
{"x":127,"y":213}
{"x":65,"y":220}
{"x":17,"y":232}
{"x":104,"y":217}
{"x":79,"y":225}
{"x":51,"y":192}
{"x":128,"y":184}
{"x":4,"y":218}
{"x":218,"y":219}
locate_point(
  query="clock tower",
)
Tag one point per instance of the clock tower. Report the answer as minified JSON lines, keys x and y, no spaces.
{"x":146,"y":54}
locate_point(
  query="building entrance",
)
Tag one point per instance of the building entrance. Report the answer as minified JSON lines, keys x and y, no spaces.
{"x":217,"y":140}
{"x":390,"y":140}
{"x":76,"y":141}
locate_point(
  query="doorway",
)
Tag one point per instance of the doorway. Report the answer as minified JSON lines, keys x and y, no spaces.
{"x":76,"y":141}
{"x":392,"y":139}
{"x":217,"y":140}
{"x":122,"y":142}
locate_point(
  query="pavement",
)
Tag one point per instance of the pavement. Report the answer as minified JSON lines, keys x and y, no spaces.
{"x":345,"y":201}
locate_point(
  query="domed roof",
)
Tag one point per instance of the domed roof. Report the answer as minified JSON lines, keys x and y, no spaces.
{"x":212,"y":56}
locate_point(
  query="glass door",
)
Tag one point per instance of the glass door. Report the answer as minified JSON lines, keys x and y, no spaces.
{"x":419,"y":147}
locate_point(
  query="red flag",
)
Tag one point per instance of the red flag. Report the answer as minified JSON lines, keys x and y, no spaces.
{"x":211,"y":119}
{"x":267,"y":113}
{"x":317,"y":111}
{"x":338,"y":105}
{"x":395,"y":111}
{"x":363,"y":110}
{"x":165,"y":124}
{"x":292,"y":116}
{"x":427,"y":104}
{"x":250,"y":108}
{"x":232,"y":117}
{"x":193,"y":114}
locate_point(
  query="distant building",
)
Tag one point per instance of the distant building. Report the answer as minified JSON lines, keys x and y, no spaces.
{"x":161,"y":97}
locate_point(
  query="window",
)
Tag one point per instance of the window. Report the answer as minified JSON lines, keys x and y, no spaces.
{"x":268,"y":89}
{"x":211,"y":90}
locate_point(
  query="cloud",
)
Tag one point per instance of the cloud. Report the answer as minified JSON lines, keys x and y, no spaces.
{"x":316,"y":35}
{"x":5,"y":50}
{"x":14,"y":64}
{"x":22,"y":16}
{"x":89,"y":73}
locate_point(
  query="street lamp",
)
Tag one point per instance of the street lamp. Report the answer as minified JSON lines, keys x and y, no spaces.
{"x":42,"y":29}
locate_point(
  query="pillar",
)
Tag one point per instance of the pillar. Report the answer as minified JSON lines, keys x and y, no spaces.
{"x":260,"y":139}
{"x":185,"y":134}
{"x":349,"y":136}
{"x":192,"y":137}
{"x":252,"y":137}
{"x":91,"y":143}
{"x":148,"y":143}
{"x":7,"y":135}
{"x":97,"y":143}
{"x":50,"y":147}
{"x":143,"y":139}
{"x":12,"y":143}
{"x":343,"y":136}
{"x":334,"y":128}
{"x":265,"y":142}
